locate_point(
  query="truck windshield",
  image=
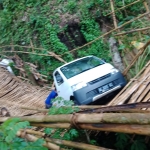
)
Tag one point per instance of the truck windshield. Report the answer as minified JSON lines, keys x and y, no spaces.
{"x":80,"y":66}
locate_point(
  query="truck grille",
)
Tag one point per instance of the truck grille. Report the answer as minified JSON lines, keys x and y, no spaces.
{"x":99,"y":79}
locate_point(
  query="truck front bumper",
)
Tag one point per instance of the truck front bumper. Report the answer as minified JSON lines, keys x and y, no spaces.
{"x":99,"y":88}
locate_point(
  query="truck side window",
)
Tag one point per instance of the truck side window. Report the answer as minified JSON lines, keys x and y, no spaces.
{"x":59,"y":79}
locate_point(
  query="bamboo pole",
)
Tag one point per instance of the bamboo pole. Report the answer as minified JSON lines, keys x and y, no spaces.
{"x":76,"y":144}
{"x":131,"y":31}
{"x":32,"y":138}
{"x":113,"y":13}
{"x":28,"y":134}
{"x":121,"y":128}
{"x":148,"y":4}
{"x":101,"y":36}
{"x":120,"y":107}
{"x":25,"y":53}
{"x":124,"y":7}
{"x":29,"y":131}
{"x":11,"y":45}
{"x":92,"y":108}
{"x":109,"y":32}
{"x":132,"y":118}
{"x":147,"y":7}
{"x":53,"y":125}
{"x":57,"y":57}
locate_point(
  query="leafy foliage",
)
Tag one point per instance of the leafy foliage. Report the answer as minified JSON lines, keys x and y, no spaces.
{"x":8,"y":139}
{"x":125,"y":141}
{"x":122,"y":140}
{"x":10,"y":127}
{"x":42,"y":21}
{"x":67,"y":109}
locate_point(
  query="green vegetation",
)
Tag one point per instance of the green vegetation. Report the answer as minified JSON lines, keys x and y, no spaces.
{"x":9,"y":140}
{"x":41,"y":22}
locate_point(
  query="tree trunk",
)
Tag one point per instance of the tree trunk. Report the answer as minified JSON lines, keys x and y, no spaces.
{"x":116,"y":58}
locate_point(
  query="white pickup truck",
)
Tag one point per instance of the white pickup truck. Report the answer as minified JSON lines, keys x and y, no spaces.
{"x":87,"y":79}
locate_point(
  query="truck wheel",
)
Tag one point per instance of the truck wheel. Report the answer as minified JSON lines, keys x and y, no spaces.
{"x":72,"y":98}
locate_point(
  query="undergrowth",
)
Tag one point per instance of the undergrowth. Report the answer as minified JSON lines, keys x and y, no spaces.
{"x":40,"y":22}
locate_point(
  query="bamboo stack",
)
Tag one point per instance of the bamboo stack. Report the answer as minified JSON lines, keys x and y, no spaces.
{"x":137,"y":90}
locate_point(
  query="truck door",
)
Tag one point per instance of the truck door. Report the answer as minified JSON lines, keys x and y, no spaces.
{"x":62,"y":87}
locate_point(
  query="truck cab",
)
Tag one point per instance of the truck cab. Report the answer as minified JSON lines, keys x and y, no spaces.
{"x":86,"y":80}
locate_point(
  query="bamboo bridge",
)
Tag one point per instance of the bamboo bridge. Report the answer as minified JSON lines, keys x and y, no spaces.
{"x":16,"y":94}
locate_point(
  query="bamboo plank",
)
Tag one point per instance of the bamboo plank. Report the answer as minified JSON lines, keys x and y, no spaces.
{"x":125,"y":96}
{"x":147,"y":98}
{"x":140,"y":91}
{"x":145,"y":92}
{"x":116,"y":99}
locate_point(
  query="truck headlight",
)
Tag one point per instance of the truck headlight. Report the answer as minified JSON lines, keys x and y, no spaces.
{"x":114,"y":70}
{"x":79,"y":86}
